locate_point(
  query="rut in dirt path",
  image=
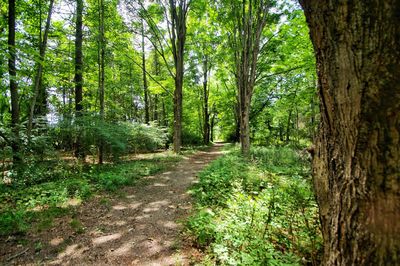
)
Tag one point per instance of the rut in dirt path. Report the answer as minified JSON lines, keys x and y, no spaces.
{"x":143,"y":227}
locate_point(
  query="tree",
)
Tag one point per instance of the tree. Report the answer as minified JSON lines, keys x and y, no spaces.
{"x":13,"y":81}
{"x":175,"y":14}
{"x":145,"y":88}
{"x":39,"y":66}
{"x":357,"y":152}
{"x":101,"y":64}
{"x":78,"y":70}
{"x":250,"y":18}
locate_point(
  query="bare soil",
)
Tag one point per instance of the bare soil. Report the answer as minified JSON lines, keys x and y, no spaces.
{"x":140,"y":225}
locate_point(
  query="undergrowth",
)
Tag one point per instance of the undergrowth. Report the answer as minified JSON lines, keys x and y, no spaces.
{"x":257,"y":211}
{"x":42,"y":199}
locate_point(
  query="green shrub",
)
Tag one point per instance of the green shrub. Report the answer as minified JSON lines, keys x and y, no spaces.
{"x":117,"y":138}
{"x":191,"y":138}
{"x":13,"y":222}
{"x":257,"y":212}
{"x":144,"y":137}
{"x":202,"y":226}
{"x":218,"y":180}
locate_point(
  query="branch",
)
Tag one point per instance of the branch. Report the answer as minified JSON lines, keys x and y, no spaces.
{"x":278,"y":73}
{"x":141,"y":67}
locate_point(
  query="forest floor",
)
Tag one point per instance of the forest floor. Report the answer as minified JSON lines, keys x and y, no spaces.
{"x":138,"y":225}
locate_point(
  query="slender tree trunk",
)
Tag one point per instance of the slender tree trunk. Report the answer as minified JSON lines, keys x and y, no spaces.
{"x":288,"y":125}
{"x":156,"y":96}
{"x":357,"y":152}
{"x":156,"y":118}
{"x":145,"y":89}
{"x":164,"y":113}
{"x":15,"y":144}
{"x":212,"y":126}
{"x":78,"y":74}
{"x":39,"y":68}
{"x":206,"y":123}
{"x":101,"y":72}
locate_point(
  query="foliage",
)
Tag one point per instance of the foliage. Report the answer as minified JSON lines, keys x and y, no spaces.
{"x":118,"y":138}
{"x":251,"y":212}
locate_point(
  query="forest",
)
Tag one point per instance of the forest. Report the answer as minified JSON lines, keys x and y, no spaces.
{"x":197,"y":132}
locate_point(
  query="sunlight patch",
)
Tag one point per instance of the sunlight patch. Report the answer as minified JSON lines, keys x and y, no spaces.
{"x":104,"y":239}
{"x":119,"y":207}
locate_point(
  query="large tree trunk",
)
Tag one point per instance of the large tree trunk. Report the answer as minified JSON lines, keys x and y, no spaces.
{"x":13,"y":82}
{"x":245,"y":125}
{"x":357,"y":152}
{"x":78,"y":73}
{"x":178,"y":107}
{"x":178,"y":38}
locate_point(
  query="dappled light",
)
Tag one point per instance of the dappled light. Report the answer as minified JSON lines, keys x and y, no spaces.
{"x":140,"y":227}
{"x":192,"y":132}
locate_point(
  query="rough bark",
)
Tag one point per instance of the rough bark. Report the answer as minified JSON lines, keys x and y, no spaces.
{"x":78,"y":73}
{"x":357,"y":152}
{"x":178,"y":12}
{"x":13,"y":82}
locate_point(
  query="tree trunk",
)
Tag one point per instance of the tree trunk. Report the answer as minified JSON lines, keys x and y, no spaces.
{"x":101,"y":72}
{"x":78,"y":74}
{"x":357,"y":152}
{"x":178,"y":108}
{"x":212,"y":123}
{"x":145,"y":89}
{"x":288,"y":125}
{"x":39,"y":71}
{"x":15,"y":145}
{"x":164,"y":113}
{"x":156,"y":118}
{"x":245,"y":126}
{"x":248,"y":29}
{"x":206,"y":122}
{"x":178,"y":25}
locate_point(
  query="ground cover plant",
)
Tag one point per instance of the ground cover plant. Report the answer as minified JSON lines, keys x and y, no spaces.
{"x":257,"y":211}
{"x":69,"y":185}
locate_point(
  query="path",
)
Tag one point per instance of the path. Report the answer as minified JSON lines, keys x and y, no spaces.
{"x":139,"y":228}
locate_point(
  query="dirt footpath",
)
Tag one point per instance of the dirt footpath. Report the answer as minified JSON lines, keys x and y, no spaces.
{"x":139,"y":227}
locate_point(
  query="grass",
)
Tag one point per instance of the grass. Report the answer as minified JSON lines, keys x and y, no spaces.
{"x":40,"y":202}
{"x":256,"y":211}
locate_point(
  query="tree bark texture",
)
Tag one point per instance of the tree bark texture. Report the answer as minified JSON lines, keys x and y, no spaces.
{"x":178,"y":11}
{"x":78,"y":72}
{"x":13,"y":82}
{"x":356,"y":163}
